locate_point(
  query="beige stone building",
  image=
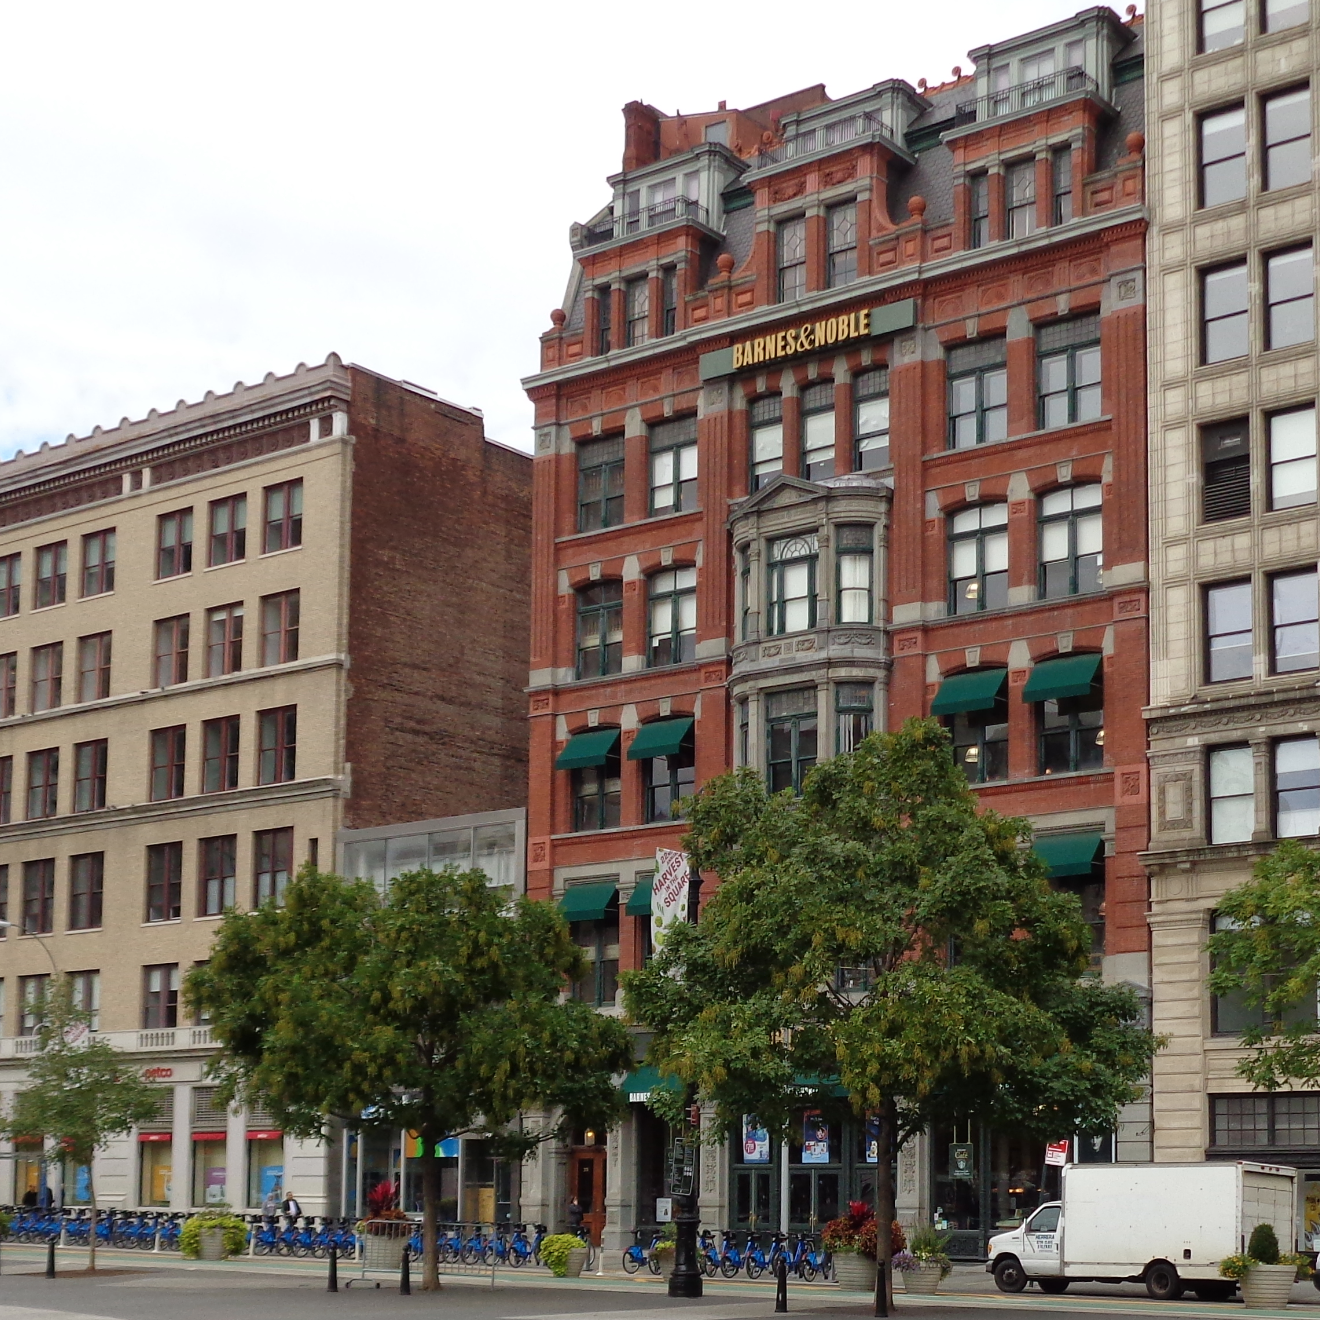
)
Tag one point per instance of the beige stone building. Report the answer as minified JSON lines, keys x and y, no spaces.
{"x":229,"y":634}
{"x":1234,"y":707}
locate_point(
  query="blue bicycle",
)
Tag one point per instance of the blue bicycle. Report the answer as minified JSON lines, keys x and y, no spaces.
{"x":637,"y":1255}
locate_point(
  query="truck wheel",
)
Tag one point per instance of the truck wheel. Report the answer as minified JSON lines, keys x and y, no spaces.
{"x":1214,"y":1292}
{"x":1162,"y":1282}
{"x":1052,"y":1285}
{"x":1010,"y":1277}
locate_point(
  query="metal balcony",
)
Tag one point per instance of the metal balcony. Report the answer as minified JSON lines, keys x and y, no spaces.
{"x":835,"y":134}
{"x":1026,"y":96}
{"x":657,"y":216}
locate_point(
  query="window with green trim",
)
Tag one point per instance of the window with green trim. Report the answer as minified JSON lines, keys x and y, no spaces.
{"x":600,"y":629}
{"x":599,"y":943}
{"x":1071,"y":541}
{"x":978,"y":559}
{"x":1072,"y":732}
{"x":978,"y":393}
{"x":980,"y":742}
{"x":668,"y":780}
{"x":600,"y":484}
{"x":791,"y":580}
{"x":818,"y":431}
{"x":674,"y":466}
{"x":854,"y":710}
{"x":596,"y":794}
{"x":791,"y":735}
{"x":1068,"y":356}
{"x":766,"y":420}
{"x":673,"y":611}
{"x":854,"y":567}
{"x":871,"y":420}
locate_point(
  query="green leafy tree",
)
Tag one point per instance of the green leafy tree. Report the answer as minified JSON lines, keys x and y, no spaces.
{"x":435,"y":1008}
{"x":881,"y":931}
{"x":80,"y":1093}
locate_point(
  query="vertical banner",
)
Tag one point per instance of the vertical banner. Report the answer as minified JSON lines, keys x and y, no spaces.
{"x":756,"y":1141}
{"x":669,"y":894}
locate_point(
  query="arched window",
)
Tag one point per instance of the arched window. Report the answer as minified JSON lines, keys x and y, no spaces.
{"x":673,"y":617}
{"x":1071,"y":541}
{"x":792,"y":584}
{"x":978,"y":559}
{"x":1070,"y":696}
{"x":600,"y":629}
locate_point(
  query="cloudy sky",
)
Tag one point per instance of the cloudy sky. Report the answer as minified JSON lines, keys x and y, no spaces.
{"x":193,"y":195}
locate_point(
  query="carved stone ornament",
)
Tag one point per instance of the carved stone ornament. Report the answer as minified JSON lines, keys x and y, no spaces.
{"x":1238,"y":718}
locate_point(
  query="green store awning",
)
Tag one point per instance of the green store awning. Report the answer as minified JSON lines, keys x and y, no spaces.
{"x":1069,"y":676}
{"x":590,"y":748}
{"x":977,"y":690}
{"x":639,"y":1084}
{"x":1069,"y":854}
{"x":587,"y":902}
{"x":663,"y":738}
{"x":639,"y":901}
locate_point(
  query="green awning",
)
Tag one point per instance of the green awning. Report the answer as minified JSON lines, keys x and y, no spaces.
{"x":590,"y":748}
{"x":661,"y":739}
{"x":587,"y":902}
{"x":639,"y":1084}
{"x":977,"y":690}
{"x":1069,"y":854}
{"x":1070,"y":676}
{"x":639,"y":901}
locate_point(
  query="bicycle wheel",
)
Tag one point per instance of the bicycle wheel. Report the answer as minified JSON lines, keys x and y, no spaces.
{"x":630,"y":1263}
{"x":653,"y":1263}
{"x":730,"y":1266}
{"x":517,"y":1256}
{"x":807,"y":1271}
{"x":755,"y":1268}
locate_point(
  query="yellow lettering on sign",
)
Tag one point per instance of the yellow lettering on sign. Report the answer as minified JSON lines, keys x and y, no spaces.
{"x":737,"y":356}
{"x":864,"y":321}
{"x":769,"y":342}
{"x":805,"y":340}
{"x":852,"y":325}
{"x":779,"y":344}
{"x":758,"y":350}
{"x":790,"y":340}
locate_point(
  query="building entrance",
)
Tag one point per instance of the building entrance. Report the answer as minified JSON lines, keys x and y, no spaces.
{"x":587,"y":1183}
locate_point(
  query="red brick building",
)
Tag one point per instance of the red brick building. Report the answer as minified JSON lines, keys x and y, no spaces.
{"x":842,"y":422}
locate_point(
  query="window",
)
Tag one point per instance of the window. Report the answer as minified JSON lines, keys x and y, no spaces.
{"x":11,"y":583}
{"x":172,"y":651}
{"x":980,"y":742}
{"x":871,"y":420}
{"x":47,"y":676}
{"x":600,"y":629}
{"x":218,"y":878}
{"x":1292,"y":458}
{"x":818,"y":431}
{"x":220,"y":754}
{"x":164,"y":881}
{"x":52,"y":575}
{"x":1228,"y":632}
{"x":1020,"y":181}
{"x":604,"y":307}
{"x":32,"y":992}
{"x":224,"y":640}
{"x":674,"y":466}
{"x":596,"y":794}
{"x":160,"y":996}
{"x":600,"y":484}
{"x":4,"y":902}
{"x":284,"y":510}
{"x":1288,"y":138}
{"x":86,"y":885}
{"x":43,"y":781}
{"x":1072,"y":732}
{"x":228,"y":530}
{"x":85,"y":990}
{"x":792,"y":585}
{"x":277,"y":756}
{"x":1061,"y":178}
{"x":978,"y":394}
{"x":978,"y":186}
{"x":279,"y":628}
{"x":39,"y":896}
{"x":1224,"y":327}
{"x":1242,"y":1121}
{"x":853,"y":556}
{"x":8,"y":684}
{"x":978,"y":559}
{"x":668,"y":780}
{"x":637,"y":307}
{"x":766,"y":417}
{"x":1226,"y":456}
{"x":168,"y":749}
{"x":1296,"y":787}
{"x":89,"y":770}
{"x":98,"y":563}
{"x":792,"y":254}
{"x":6,"y":789}
{"x":1280,"y":14}
{"x":1223,"y":23}
{"x":599,"y":943}
{"x":791,"y":729}
{"x":1290,"y":294}
{"x":1071,"y":541}
{"x":273,"y":854}
{"x":854,"y":714}
{"x":668,"y":300}
{"x":174,"y":536}
{"x":94,"y":667}
{"x":1069,"y":363}
{"x":673,"y":606}
{"x":1224,"y":156}
{"x":1232,"y":795}
{"x":1294,"y":622}
{"x":841,"y":240}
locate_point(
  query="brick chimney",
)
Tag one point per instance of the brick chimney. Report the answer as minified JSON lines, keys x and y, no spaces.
{"x":641,"y":135}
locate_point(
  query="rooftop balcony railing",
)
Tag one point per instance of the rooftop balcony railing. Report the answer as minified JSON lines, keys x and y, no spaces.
{"x":834,"y":134}
{"x":1025,"y":96}
{"x":639,"y":221}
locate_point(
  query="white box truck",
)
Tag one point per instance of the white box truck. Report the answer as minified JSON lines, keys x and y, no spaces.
{"x":1165,"y":1225}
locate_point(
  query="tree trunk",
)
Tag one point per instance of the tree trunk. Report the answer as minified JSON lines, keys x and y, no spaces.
{"x":884,"y":1199}
{"x":430,"y":1198}
{"x":91,"y":1236}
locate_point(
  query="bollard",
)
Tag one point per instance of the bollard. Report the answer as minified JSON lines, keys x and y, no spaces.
{"x":50,"y":1259}
{"x":881,"y":1292}
{"x":405,"y":1284}
{"x":781,"y":1285}
{"x":332,"y":1284}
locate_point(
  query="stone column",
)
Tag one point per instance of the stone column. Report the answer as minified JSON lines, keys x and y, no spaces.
{"x":620,"y":1185}
{"x":181,"y":1154}
{"x":713,"y":1203}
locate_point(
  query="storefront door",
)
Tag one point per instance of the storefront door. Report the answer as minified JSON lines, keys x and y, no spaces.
{"x":587,"y":1183}
{"x":754,"y":1204}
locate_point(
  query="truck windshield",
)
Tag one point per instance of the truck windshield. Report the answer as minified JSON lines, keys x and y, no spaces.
{"x":1044,"y":1221}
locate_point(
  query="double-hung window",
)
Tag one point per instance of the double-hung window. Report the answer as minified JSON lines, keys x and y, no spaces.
{"x":164,"y":881}
{"x":11,"y":584}
{"x":160,"y":996}
{"x":673,"y":616}
{"x":978,"y":559}
{"x":791,"y":737}
{"x":47,"y":676}
{"x":278,"y":745}
{"x":98,"y":564}
{"x":669,"y":779}
{"x":1068,"y":354}
{"x":766,"y":419}
{"x":1292,"y":458}
{"x":1225,"y":321}
{"x":599,"y":943}
{"x":604,"y":319}
{"x":600,"y":629}
{"x":674,"y":466}
{"x":818,"y":431}
{"x":32,"y":992}
{"x":86,"y":888}
{"x":791,"y":245}
{"x":39,"y":896}
{"x":1072,"y":732}
{"x":1071,"y":541}
{"x":791,"y":579}
{"x":668,"y":300}
{"x":1294,"y":622}
{"x":978,"y":393}
{"x":89,"y":772}
{"x":1223,"y":24}
{"x":172,"y":651}
{"x":218,"y":881}
{"x":174,"y":543}
{"x":52,"y":579}
{"x":980,"y":741}
{"x":6,"y":789}
{"x":1290,"y":297}
{"x":224,"y":640}
{"x":596,"y":793}
{"x":43,"y":785}
{"x":220,"y":754}
{"x":8,"y":684}
{"x":978,"y":188}
{"x":228,"y":530}
{"x":284,"y":516}
{"x":854,"y":714}
{"x":1061,"y":179}
{"x":1232,"y":795}
{"x":637,"y":311}
{"x":1224,"y":156}
{"x":94,"y":667}
{"x":1226,"y":464}
{"x":1228,"y":632}
{"x":1020,"y":182}
{"x":272,"y":865}
{"x":600,"y":484}
{"x":85,"y":996}
{"x":169,"y":749}
{"x":1288,"y":138}
{"x":871,"y":420}
{"x":853,"y":555}
{"x":279,"y":628}
{"x":1296,"y":787}
{"x":841,"y":244}
{"x":1280,"y":14}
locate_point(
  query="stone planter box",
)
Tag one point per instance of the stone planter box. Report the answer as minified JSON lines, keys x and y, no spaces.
{"x":855,"y":1273}
{"x":384,"y":1252}
{"x":212,"y":1244}
{"x":924,"y":1279}
{"x":667,"y":1260}
{"x":577,"y":1258}
{"x":1268,"y":1286}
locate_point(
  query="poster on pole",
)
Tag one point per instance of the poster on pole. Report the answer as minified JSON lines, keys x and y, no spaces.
{"x":669,"y":894}
{"x":1056,"y":1152}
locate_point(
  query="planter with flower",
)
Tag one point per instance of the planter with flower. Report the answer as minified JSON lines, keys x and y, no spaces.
{"x":925,"y":1264}
{"x":667,"y":1249}
{"x":563,"y":1255}
{"x":212,"y":1234}
{"x":852,"y":1243}
{"x":1265,"y":1274}
{"x":386,"y":1229}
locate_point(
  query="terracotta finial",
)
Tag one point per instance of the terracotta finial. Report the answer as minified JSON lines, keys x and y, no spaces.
{"x":916,"y":206}
{"x":957,"y":72}
{"x":922,"y":84}
{"x":725,"y":262}
{"x":1135,"y":143}
{"x":557,"y":318}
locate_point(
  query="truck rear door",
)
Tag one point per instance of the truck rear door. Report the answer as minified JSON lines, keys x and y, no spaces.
{"x":1040,"y":1242}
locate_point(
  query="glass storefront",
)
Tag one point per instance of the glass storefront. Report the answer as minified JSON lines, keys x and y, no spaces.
{"x":652,"y":1134}
{"x":447,"y":1152}
{"x":76,"y":1184}
{"x":156,"y":1168}
{"x":209,"y":1181}
{"x":265,"y":1154}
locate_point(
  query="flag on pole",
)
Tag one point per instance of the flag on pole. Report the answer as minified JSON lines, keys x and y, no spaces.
{"x":669,"y":894}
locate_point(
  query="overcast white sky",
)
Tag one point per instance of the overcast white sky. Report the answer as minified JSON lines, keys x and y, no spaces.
{"x":192,"y":195}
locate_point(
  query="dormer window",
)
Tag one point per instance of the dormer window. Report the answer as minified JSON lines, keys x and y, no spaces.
{"x":718,"y":133}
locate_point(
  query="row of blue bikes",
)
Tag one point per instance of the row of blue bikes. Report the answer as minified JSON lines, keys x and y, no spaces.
{"x":798,"y":1252}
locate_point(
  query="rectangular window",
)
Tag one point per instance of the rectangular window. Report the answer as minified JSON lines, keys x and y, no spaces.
{"x":596,"y":795}
{"x":273,"y":857}
{"x":218,"y":875}
{"x":1296,"y":787}
{"x":600,"y":629}
{"x":160,"y":996}
{"x":1071,"y":733}
{"x":98,"y":563}
{"x":766,"y":419}
{"x":6,"y":789}
{"x":1061,"y":174}
{"x":978,"y":393}
{"x":1290,"y":296}
{"x":277,"y":756}
{"x":1228,"y":632}
{"x":818,"y":431}
{"x":871,"y":420}
{"x":674,"y":466}
{"x":1240,"y":1122}
{"x":841,"y":239}
{"x":637,"y":311}
{"x":1294,"y":622}
{"x":978,"y":559}
{"x":174,"y":537}
{"x":32,"y":992}
{"x":8,"y":684}
{"x":1020,"y":183}
{"x":853,"y":556}
{"x":668,"y":780}
{"x":224,"y":640}
{"x":47,"y":676}
{"x":1223,"y":23}
{"x":1288,"y":138}
{"x":1280,"y":14}
{"x":1292,"y":458}
{"x":599,"y":944}
{"x":1232,"y":795}
{"x":792,"y":585}
{"x":1224,"y":156}
{"x":94,"y":667}
{"x":668,"y":300}
{"x":1226,"y":461}
{"x":791,"y":735}
{"x":1225,"y":332}
{"x":791,"y":242}
{"x":279,"y":628}
{"x":85,"y":992}
{"x":164,"y":881}
{"x":52,"y":575}
{"x":4,"y":897}
{"x":854,"y":709}
{"x":604,"y":307}
{"x":86,"y":886}
{"x":220,"y":754}
{"x":11,"y":584}
{"x":673,"y":617}
{"x":1068,"y":356}
{"x":228,"y":540}
{"x":89,"y":771}
{"x":600,"y":484}
{"x":39,"y":896}
{"x":978,"y":187}
{"x":171,"y":651}
{"x":284,"y":513}
{"x":1071,"y":541}
{"x":43,"y":783}
{"x":168,"y":751}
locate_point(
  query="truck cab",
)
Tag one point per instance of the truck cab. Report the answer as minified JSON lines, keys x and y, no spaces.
{"x":1029,"y":1251}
